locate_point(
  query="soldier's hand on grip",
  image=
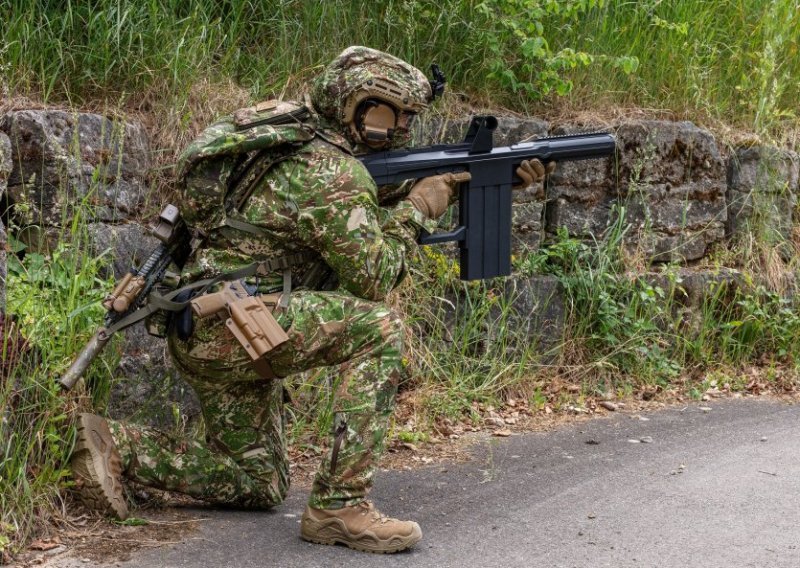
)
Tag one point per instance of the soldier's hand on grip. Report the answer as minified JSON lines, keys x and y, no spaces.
{"x":431,"y":195}
{"x":533,"y":171}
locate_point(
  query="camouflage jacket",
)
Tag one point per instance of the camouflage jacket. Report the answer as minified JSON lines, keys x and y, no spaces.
{"x":318,"y":198}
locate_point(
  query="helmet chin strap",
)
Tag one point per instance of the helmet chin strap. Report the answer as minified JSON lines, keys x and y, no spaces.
{"x":375,"y":123}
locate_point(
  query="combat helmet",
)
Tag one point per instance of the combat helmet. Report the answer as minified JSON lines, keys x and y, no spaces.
{"x":371,"y":97}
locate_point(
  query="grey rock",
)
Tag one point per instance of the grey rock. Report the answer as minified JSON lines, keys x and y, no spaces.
{"x":532,"y":193}
{"x":5,"y":171}
{"x":63,"y":160}
{"x":584,"y":181}
{"x":510,"y":130}
{"x":667,"y":179}
{"x":126,"y":245}
{"x":431,"y":129}
{"x":526,"y":226}
{"x":693,"y":293}
{"x":652,"y":151}
{"x":763,"y":194}
{"x":763,"y":168}
{"x":700,"y":286}
{"x":5,"y":162}
{"x":695,"y":205}
{"x":3,"y":268}
{"x":538,"y":311}
{"x":495,"y":421}
{"x":580,"y":194}
{"x":148,"y":389}
{"x":532,"y":314}
{"x":660,"y":246}
{"x":579,"y":218}
{"x":691,"y":287}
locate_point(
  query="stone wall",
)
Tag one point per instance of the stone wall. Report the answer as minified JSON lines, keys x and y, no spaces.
{"x":64,"y":163}
{"x":668,"y":176}
{"x":680,"y":193}
{"x":762,"y":193}
{"x":64,"y":160}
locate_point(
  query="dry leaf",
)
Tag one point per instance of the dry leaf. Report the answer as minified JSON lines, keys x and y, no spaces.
{"x":44,"y":544}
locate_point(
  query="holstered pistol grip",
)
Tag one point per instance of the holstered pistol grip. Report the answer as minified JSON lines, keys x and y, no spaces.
{"x":250,"y":320}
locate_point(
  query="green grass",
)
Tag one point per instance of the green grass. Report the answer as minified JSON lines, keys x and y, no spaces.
{"x":56,"y":298}
{"x":466,"y":342}
{"x":733,"y":61}
{"x":630,"y":331}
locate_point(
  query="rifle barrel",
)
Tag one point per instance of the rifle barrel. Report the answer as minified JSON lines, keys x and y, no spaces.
{"x":84,"y":359}
{"x":399,"y":165}
{"x":485,"y":203}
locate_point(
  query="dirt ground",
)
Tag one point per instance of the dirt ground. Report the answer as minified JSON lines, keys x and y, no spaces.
{"x":94,"y":540}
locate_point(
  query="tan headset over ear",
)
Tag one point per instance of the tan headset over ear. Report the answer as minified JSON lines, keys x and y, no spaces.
{"x":370,"y":112}
{"x":375,"y":122}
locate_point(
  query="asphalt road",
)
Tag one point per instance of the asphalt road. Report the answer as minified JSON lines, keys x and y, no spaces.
{"x":714,"y":488}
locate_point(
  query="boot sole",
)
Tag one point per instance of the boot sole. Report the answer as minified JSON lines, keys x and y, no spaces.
{"x":97,"y":467}
{"x":333,"y":531}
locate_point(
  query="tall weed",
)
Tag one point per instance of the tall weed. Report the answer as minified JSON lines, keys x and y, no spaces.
{"x":55,"y":298}
{"x":729,"y":60}
{"x":467,"y":341}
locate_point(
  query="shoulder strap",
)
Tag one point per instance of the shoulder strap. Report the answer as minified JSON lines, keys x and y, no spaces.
{"x":246,"y":184}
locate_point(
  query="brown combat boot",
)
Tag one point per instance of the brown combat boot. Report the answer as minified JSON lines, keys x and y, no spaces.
{"x":361,"y":527}
{"x":97,"y":467}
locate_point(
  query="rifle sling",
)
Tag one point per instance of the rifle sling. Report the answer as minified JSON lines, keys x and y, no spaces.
{"x":245,"y":227}
{"x":166,"y":302}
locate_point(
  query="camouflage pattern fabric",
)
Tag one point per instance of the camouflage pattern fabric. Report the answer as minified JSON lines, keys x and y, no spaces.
{"x":323,"y":200}
{"x":207,"y":165}
{"x":306,"y":193}
{"x":243,"y":459}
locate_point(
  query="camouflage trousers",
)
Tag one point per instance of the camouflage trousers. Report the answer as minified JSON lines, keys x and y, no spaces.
{"x":243,"y":460}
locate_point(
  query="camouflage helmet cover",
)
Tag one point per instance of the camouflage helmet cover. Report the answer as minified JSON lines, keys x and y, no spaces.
{"x":360,"y":73}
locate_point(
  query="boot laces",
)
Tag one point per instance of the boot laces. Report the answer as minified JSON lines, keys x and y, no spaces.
{"x":375,"y":515}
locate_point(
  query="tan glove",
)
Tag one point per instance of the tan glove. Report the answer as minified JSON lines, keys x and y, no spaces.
{"x":533,"y":171}
{"x":431,"y":195}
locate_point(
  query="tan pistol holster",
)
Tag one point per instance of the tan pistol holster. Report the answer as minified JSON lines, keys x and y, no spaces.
{"x":249,"y":318}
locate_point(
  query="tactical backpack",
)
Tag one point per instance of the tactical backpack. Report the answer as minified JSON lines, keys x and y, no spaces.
{"x":218,"y":171}
{"x":216,"y":174}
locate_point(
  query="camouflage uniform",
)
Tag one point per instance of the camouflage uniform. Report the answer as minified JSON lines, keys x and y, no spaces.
{"x":317,"y":198}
